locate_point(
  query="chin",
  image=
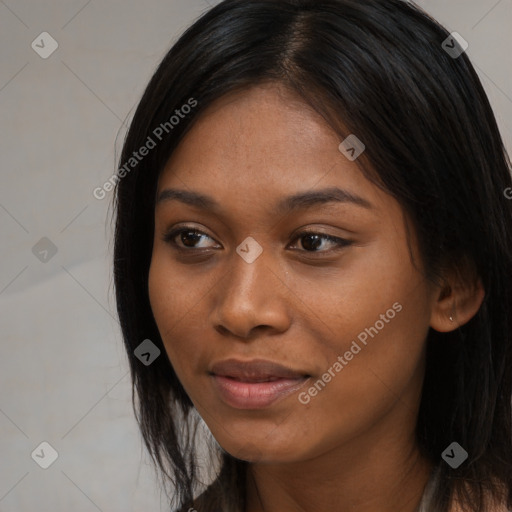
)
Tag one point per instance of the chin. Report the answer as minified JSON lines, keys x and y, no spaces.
{"x":271,"y":449}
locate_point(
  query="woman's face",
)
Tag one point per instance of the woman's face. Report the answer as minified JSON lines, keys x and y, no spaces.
{"x":346,"y":316}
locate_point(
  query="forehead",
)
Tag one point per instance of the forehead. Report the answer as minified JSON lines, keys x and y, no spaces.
{"x":263,"y":143}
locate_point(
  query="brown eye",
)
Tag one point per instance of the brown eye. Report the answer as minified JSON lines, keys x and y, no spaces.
{"x":188,"y":237}
{"x":311,"y":241}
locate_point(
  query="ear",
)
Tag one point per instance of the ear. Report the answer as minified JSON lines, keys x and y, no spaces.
{"x":459,"y":297}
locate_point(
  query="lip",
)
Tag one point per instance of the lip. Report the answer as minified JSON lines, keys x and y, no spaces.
{"x":255,"y":384}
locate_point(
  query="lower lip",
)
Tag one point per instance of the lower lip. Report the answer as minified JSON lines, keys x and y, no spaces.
{"x":255,"y":395}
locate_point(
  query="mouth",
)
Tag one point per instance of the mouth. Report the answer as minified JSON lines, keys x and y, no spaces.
{"x":255,"y":384}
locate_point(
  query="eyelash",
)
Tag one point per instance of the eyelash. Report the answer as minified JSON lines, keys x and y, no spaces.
{"x":171,"y":235}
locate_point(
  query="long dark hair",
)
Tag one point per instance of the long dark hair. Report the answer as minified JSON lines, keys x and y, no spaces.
{"x":377,"y":69}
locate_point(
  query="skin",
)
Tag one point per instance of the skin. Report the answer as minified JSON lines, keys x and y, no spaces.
{"x":352,"y":447}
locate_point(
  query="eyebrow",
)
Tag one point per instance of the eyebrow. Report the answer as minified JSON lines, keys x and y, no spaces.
{"x":301,"y":200}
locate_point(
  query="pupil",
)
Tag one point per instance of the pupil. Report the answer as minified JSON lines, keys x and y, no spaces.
{"x":315,"y":244}
{"x":186,"y":235}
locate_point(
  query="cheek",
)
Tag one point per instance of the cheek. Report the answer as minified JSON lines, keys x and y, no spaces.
{"x":177,"y":300}
{"x":169,"y":307}
{"x":378,"y":320}
{"x":381,"y":365}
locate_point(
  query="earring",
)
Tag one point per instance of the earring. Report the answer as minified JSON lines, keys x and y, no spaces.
{"x":451,"y":319}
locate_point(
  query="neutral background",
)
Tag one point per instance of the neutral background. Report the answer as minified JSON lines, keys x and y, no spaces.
{"x":63,"y":371}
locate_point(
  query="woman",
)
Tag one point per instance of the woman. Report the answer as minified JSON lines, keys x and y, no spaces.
{"x":312,"y":226}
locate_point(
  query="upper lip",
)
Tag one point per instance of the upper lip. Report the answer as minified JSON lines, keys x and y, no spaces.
{"x":255,"y":370}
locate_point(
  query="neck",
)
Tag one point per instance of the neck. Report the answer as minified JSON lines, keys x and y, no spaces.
{"x":383,"y":477}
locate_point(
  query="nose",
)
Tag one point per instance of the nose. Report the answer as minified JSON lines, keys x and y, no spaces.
{"x":251,"y":297}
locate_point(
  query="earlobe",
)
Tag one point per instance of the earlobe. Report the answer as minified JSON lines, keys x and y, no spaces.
{"x":456,"y":304}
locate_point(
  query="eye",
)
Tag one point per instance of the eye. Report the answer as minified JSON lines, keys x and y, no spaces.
{"x":313,"y":240}
{"x":189,"y":237}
